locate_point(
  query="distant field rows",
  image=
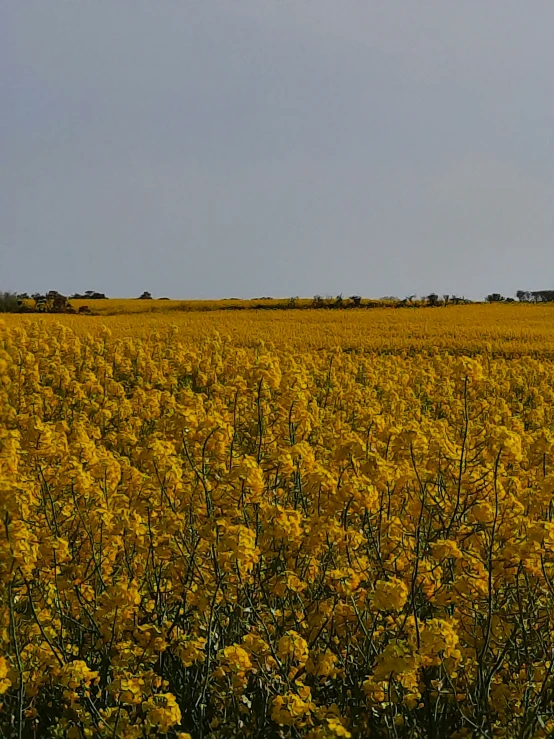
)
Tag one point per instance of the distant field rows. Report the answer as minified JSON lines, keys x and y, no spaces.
{"x":506,"y":330}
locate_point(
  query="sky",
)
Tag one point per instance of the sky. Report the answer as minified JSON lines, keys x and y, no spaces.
{"x":246,"y":148}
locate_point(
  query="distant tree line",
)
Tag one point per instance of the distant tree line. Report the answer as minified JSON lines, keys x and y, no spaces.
{"x":498,"y":298}
{"x":524,"y":296}
{"x":537,"y":296}
{"x":88,"y":295}
{"x":55,"y":302}
{"x":356,"y":301}
{"x":50,"y":302}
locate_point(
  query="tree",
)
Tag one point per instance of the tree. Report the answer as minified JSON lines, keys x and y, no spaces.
{"x":9,"y":303}
{"x":542,"y":296}
{"x":495,"y":298}
{"x":93,"y":295}
{"x":146,"y":296}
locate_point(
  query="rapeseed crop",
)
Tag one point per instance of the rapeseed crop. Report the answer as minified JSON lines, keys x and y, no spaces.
{"x":278,"y":525}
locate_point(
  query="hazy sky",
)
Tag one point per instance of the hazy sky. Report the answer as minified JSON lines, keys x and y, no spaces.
{"x":239,"y":148}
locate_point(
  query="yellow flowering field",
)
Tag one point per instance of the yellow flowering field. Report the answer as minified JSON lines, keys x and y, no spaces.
{"x":121,"y":306}
{"x":278,"y":524}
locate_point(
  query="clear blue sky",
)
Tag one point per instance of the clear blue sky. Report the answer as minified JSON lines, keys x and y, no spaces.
{"x":238,"y":148}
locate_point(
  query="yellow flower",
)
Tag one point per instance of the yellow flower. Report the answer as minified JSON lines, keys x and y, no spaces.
{"x":290,"y":709}
{"x":162,"y":712}
{"x":236,"y":659}
{"x":389,"y":595}
{"x":322,"y":664}
{"x":293,"y":647}
{"x":4,"y":670}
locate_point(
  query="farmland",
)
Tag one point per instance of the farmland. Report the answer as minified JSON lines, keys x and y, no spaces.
{"x":278,"y":523}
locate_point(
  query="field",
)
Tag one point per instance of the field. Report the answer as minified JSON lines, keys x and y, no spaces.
{"x":278,"y":523}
